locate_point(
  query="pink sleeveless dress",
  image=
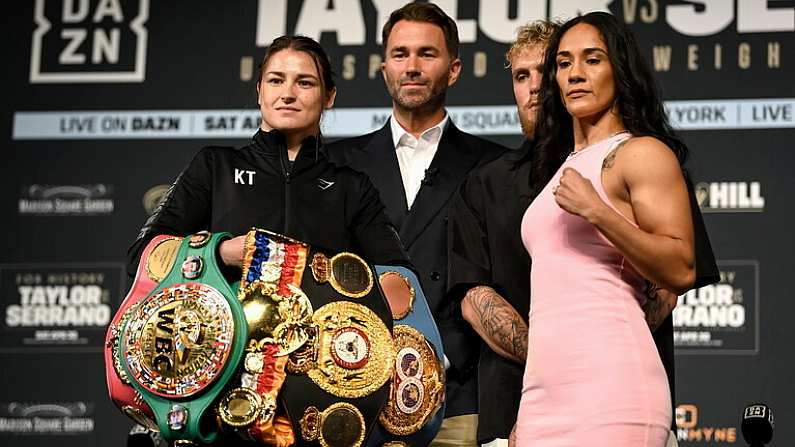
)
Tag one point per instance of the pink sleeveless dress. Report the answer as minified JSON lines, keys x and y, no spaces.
{"x":593,"y":376}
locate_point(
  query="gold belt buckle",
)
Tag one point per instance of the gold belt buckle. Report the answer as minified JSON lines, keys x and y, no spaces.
{"x":354,"y":353}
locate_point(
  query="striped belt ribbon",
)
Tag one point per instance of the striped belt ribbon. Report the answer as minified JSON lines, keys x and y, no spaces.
{"x":273,"y":259}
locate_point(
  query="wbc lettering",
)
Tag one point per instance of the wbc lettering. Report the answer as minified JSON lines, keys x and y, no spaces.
{"x":164,"y":345}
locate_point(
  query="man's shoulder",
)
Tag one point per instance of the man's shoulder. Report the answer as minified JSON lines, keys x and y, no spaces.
{"x":501,"y":171}
{"x":349,"y":151}
{"x":486,"y":150}
{"x":479,"y":142}
{"x":509,"y":160}
{"x":486,"y":176}
{"x":350,"y":143}
{"x":496,"y":168}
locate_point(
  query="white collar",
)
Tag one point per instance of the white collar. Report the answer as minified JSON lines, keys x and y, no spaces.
{"x":431,"y":134}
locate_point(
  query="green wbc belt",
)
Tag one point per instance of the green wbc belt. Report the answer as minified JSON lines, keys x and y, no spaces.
{"x":184,"y":342}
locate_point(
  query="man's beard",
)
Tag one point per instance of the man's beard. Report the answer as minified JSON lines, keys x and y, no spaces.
{"x":528,"y":125}
{"x":430,"y":100}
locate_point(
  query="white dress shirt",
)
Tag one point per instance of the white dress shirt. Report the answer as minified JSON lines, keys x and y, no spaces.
{"x":415,"y":154}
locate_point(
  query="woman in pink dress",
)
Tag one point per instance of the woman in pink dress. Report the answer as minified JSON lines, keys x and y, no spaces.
{"x":612,"y":212}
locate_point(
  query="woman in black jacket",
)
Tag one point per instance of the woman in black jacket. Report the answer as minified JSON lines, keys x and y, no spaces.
{"x":280,"y":181}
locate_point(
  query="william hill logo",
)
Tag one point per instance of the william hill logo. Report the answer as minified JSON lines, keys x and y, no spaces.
{"x":89,"y":41}
{"x":730,"y":197}
{"x":690,"y":429}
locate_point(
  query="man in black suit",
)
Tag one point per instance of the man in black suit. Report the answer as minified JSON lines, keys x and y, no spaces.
{"x":417,"y":161}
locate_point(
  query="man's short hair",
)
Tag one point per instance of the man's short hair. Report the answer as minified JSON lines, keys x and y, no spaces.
{"x":427,"y":13}
{"x":533,"y":33}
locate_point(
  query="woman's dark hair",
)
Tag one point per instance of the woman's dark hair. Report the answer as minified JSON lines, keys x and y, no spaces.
{"x":637,"y":99}
{"x":308,"y":46}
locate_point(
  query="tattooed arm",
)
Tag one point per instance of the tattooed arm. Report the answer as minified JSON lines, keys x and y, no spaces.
{"x":659,"y":304}
{"x":497,"y":322}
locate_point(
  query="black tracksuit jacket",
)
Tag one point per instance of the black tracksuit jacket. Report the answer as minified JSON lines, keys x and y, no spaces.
{"x":310,"y":199}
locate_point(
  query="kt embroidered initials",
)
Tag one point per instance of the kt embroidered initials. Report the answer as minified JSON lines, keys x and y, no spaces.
{"x":243,"y":177}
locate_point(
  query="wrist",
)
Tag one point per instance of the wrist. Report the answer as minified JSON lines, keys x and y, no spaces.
{"x":226,"y":251}
{"x":596,"y":214}
{"x":223,"y":252}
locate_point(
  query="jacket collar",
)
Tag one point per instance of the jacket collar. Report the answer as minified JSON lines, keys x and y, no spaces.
{"x":272,"y":142}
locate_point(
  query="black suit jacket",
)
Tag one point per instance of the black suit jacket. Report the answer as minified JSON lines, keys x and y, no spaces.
{"x":423,"y":231}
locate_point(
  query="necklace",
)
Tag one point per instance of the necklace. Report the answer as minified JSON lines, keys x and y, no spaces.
{"x":574,"y":153}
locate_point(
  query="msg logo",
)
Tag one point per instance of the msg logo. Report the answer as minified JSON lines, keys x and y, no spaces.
{"x":89,"y":41}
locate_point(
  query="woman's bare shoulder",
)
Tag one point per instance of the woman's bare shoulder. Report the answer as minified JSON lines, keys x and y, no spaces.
{"x":646,"y":149}
{"x":646,"y":157}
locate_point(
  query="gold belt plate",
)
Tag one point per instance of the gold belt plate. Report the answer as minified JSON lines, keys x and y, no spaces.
{"x":178,"y":340}
{"x":354,"y":352}
{"x":162,"y":257}
{"x":417,"y":389}
{"x":339,"y":425}
{"x":347,"y":273}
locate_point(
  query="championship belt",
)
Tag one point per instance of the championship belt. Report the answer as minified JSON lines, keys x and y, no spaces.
{"x":181,"y":346}
{"x":415,"y":409}
{"x":339,"y":360}
{"x":157,"y":260}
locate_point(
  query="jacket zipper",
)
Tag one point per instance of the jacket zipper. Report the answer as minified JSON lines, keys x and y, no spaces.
{"x":286,"y":203}
{"x":287,"y":171}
